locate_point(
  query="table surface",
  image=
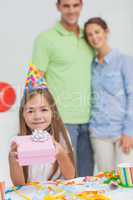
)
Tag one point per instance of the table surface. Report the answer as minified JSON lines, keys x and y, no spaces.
{"x":37,"y":191}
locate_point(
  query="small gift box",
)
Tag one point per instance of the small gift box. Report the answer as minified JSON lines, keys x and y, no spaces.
{"x":37,"y":148}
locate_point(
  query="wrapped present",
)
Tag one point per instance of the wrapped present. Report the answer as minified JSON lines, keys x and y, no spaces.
{"x":37,"y":148}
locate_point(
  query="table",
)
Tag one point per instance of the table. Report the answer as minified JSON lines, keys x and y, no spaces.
{"x":69,"y":189}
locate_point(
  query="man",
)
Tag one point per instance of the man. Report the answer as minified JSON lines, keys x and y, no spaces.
{"x":64,"y":56}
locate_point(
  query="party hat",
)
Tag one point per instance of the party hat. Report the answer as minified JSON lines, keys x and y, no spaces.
{"x":35,"y":79}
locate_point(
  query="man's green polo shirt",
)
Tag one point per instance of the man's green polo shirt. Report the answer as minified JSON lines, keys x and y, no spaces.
{"x":66,"y":60}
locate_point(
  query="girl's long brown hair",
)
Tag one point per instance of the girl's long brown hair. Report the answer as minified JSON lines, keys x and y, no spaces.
{"x":57,"y":129}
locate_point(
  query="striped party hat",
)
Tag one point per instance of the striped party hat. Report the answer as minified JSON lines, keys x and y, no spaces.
{"x":35,"y":79}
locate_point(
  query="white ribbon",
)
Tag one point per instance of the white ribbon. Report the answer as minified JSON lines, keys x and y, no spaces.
{"x":39,"y":135}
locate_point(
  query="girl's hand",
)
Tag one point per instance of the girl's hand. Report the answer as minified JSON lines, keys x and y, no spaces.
{"x":16,"y":171}
{"x":64,"y":161}
{"x":13,"y":152}
{"x":126,"y":143}
{"x":59,"y":150}
{"x":13,"y":147}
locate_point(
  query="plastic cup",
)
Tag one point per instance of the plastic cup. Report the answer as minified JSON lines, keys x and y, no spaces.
{"x":126,"y":174}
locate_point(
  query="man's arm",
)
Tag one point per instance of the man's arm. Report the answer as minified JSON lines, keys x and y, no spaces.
{"x":41,"y":54}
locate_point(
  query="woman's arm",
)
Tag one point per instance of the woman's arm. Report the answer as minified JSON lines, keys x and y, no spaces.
{"x":16,"y":171}
{"x":65,"y":163}
{"x":126,"y":141}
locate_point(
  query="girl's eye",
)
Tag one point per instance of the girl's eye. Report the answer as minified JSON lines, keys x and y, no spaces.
{"x":29,"y":111}
{"x":44,"y":110}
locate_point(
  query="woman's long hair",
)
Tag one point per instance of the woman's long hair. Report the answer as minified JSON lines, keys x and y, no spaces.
{"x":56,"y":129}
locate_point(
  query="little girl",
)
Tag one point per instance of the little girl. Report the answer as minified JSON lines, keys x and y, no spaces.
{"x":38,"y":111}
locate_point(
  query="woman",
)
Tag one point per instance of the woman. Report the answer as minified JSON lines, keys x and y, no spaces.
{"x":111,"y":123}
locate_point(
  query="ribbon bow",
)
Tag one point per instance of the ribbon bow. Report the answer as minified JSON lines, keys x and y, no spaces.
{"x":40,"y":135}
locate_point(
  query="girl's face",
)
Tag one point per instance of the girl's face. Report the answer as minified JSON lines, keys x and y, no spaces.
{"x":96,"y":36}
{"x":37,"y":113}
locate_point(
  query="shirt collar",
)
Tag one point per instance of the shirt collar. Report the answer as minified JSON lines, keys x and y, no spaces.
{"x":59,"y":28}
{"x":108,"y":58}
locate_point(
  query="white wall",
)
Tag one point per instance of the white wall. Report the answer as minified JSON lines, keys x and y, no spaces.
{"x":20,"y":22}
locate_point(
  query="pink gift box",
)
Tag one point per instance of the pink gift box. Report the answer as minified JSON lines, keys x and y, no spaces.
{"x":31,"y":152}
